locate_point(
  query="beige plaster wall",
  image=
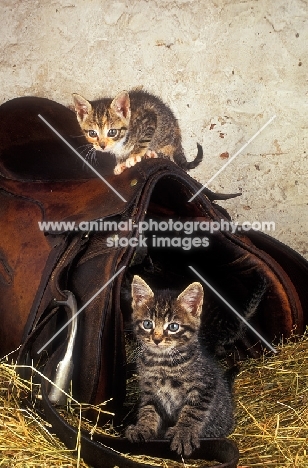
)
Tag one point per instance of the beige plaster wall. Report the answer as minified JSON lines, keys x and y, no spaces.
{"x":225,"y":67}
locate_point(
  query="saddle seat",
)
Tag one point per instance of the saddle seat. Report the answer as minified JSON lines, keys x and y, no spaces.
{"x":37,"y":165}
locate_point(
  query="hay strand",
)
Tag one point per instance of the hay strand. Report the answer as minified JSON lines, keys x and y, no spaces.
{"x":271,"y":395}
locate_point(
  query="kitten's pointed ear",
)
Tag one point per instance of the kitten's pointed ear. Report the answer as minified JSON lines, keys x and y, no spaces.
{"x":191,"y":299}
{"x":82,"y":107}
{"x":141,"y":292}
{"x":121,"y":105}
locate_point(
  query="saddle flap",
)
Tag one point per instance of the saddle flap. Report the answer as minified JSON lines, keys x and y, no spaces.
{"x":77,"y":201}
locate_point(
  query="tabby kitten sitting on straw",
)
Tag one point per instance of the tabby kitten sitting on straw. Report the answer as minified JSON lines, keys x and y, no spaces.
{"x":183,"y":393}
{"x":132,"y":126}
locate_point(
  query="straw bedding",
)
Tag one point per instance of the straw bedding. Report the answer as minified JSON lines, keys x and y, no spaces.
{"x":271,"y":396}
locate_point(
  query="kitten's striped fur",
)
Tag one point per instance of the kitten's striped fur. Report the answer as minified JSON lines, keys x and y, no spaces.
{"x":132,"y":126}
{"x":183,"y":393}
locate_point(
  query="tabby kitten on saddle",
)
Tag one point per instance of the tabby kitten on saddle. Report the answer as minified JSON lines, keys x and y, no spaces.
{"x":132,"y":126}
{"x":183,"y":393}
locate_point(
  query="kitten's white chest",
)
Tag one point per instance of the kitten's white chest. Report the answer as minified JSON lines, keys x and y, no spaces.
{"x":119,"y":150}
{"x":170,"y":394}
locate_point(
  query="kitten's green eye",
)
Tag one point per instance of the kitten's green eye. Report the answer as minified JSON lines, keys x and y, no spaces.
{"x":92,"y":133}
{"x":112,"y":132}
{"x":173,"y":327}
{"x":147,"y":324}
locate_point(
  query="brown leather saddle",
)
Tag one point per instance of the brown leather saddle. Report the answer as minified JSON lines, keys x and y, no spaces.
{"x":47,"y":275}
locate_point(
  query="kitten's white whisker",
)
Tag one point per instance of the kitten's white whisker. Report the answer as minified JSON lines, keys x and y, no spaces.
{"x":84,"y":147}
{"x":91,"y":155}
{"x":94,"y":153}
{"x":88,"y":152}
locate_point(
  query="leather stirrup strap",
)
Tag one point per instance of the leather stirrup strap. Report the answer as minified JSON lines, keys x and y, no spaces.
{"x":106,"y":452}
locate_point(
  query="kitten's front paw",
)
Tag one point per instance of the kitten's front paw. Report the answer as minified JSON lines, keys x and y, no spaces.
{"x":151,"y":154}
{"x":139,"y":433}
{"x":119,"y":168}
{"x":183,"y":440}
{"x":132,"y":160}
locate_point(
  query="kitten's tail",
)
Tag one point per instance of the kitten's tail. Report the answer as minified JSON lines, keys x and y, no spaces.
{"x":181,"y":160}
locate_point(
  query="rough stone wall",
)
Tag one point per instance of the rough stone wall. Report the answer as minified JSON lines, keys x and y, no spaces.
{"x":225,"y":67}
